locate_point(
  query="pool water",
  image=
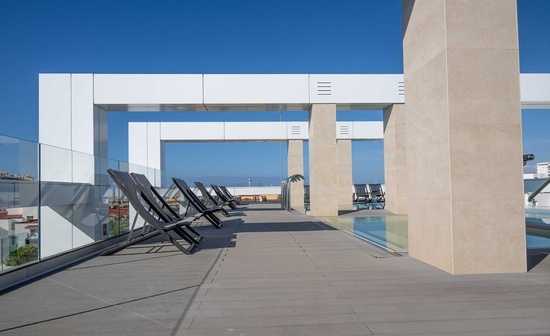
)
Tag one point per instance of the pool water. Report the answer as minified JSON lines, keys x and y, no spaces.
{"x":537,"y":241}
{"x":538,"y":215}
{"x":391,"y":233}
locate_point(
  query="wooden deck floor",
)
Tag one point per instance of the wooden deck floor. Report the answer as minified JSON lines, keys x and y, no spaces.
{"x":269,"y":272}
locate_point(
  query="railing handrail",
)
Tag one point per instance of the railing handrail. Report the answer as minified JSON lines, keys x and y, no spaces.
{"x":538,"y":190}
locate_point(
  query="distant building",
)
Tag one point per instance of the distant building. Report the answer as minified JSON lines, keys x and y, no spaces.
{"x":529,"y":176}
{"x":543,"y":169}
{"x":10,"y":176}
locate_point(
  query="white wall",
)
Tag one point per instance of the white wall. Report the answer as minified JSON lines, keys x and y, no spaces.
{"x":54,"y":106}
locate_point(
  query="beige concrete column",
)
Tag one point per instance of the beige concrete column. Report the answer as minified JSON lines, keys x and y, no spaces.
{"x":395,"y":159}
{"x":345,"y":182}
{"x":323,"y":157}
{"x":296,"y":166}
{"x":464,"y":135}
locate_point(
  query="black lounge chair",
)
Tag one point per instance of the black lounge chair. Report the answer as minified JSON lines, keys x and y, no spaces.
{"x":196,"y":203}
{"x":163,"y":210}
{"x":210,"y":201}
{"x":376,"y":192}
{"x":230,"y":202}
{"x":361,"y":193}
{"x":159,"y":226}
{"x":226,"y":191}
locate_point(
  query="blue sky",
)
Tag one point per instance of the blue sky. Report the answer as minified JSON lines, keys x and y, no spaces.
{"x":216,"y":36}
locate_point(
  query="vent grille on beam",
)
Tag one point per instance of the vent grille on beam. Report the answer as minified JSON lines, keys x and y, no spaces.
{"x":295,"y":130}
{"x":344,"y":130}
{"x":401,"y":88}
{"x":324,"y":88}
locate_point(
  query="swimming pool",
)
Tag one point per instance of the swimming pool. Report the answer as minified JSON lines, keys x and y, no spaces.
{"x":391,"y":232}
{"x":537,"y":215}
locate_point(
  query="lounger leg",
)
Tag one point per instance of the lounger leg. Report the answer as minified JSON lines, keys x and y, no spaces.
{"x":176,"y":243}
{"x":214,"y":220}
{"x":199,"y":237}
{"x":225,"y":213}
{"x":184,"y":235}
{"x":132,"y":228}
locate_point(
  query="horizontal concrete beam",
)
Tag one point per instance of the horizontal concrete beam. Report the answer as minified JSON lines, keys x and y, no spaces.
{"x":247,"y":131}
{"x":72,"y":107}
{"x":233,"y":92}
{"x":145,"y":138}
{"x":535,"y":91}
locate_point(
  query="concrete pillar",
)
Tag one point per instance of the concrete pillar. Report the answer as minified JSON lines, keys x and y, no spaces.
{"x":464,"y":135}
{"x":323,"y":160}
{"x":345,"y":182}
{"x":296,"y":166}
{"x":395,"y":160}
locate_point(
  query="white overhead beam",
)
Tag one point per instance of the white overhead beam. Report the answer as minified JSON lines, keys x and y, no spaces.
{"x":145,"y":139}
{"x":149,"y":92}
{"x":248,"y":131}
{"x":65,"y":119}
{"x":256,"y":92}
{"x":252,"y":92}
{"x":535,"y":91}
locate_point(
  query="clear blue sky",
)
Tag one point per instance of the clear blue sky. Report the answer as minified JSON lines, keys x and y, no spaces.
{"x":314,"y":36}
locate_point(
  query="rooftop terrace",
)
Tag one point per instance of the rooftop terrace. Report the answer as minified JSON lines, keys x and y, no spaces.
{"x":271,"y":272}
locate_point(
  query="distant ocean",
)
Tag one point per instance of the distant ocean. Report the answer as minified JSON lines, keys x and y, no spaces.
{"x":237,"y":181}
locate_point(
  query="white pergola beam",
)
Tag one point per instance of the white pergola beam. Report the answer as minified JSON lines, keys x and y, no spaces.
{"x":145,"y":139}
{"x":72,"y":107}
{"x":535,"y":91}
{"x":137,"y":92}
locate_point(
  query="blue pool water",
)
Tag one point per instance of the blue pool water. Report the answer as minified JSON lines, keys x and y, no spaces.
{"x":391,"y":232}
{"x":538,"y":238}
{"x":537,"y":242}
{"x":539,"y":214}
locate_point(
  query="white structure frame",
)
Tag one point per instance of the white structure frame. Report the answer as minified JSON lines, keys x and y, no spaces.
{"x":73,"y":122}
{"x":146,"y":139}
{"x":72,"y":107}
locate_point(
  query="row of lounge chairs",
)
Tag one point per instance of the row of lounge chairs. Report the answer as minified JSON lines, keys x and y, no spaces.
{"x":369,"y":193}
{"x":161,"y":219}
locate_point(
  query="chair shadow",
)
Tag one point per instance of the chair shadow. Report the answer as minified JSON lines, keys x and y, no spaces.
{"x":226,"y":236}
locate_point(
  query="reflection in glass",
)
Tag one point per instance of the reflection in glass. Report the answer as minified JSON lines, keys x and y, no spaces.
{"x":19,"y":224}
{"x":74,"y":198}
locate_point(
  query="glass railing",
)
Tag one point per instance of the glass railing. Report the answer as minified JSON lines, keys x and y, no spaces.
{"x":19,"y":190}
{"x":54,"y":200}
{"x":18,"y":249}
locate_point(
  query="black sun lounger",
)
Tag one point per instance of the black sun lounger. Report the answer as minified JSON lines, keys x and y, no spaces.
{"x":232,"y":204}
{"x":128,"y":186}
{"x":162,"y":209}
{"x":361,"y":193}
{"x":377,"y":193}
{"x":196,"y":203}
{"x":210,"y":201}
{"x":231,"y":197}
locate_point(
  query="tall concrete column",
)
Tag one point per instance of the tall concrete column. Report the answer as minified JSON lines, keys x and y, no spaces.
{"x":395,"y":159}
{"x":296,"y":166}
{"x":464,"y":135}
{"x":323,"y":160}
{"x":345,"y":182}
